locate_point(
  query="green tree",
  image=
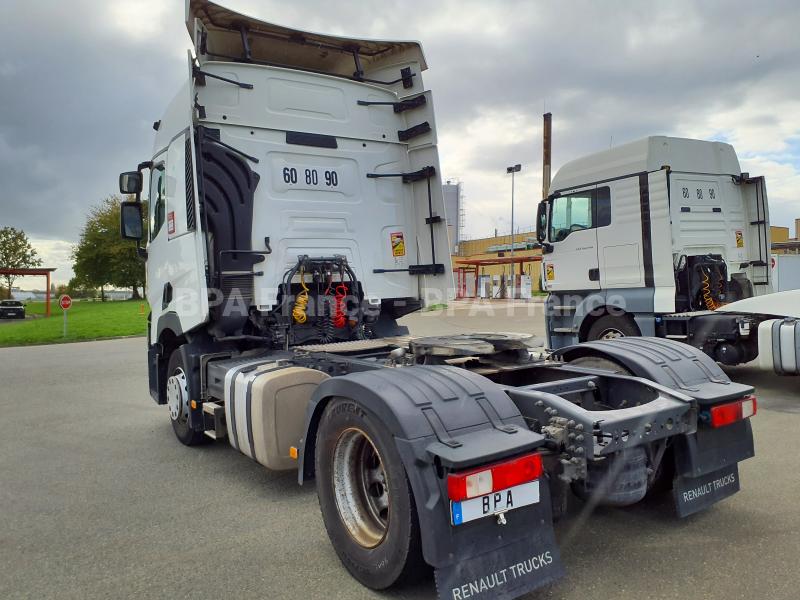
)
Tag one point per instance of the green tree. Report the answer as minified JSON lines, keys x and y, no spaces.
{"x":16,"y":252}
{"x":102,"y":258}
{"x":76,"y":290}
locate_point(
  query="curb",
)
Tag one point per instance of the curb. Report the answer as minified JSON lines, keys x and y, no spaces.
{"x":59,"y":342}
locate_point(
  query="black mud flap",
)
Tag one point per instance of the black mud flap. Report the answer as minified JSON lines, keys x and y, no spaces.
{"x":508,"y":571}
{"x":706,"y":465}
{"x":503,"y":574}
{"x":710,"y":450}
{"x":693,"y":494}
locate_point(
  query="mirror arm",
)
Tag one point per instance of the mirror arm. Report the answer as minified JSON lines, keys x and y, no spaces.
{"x":148,"y":164}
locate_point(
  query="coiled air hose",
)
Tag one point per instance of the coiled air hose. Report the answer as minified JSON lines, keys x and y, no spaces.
{"x":301,"y":302}
{"x":339,"y":318}
{"x":711,"y":304}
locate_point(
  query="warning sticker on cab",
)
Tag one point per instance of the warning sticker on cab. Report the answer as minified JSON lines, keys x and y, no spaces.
{"x":550,"y":272}
{"x":398,"y":244}
{"x":171,"y":222}
{"x":739,"y":239}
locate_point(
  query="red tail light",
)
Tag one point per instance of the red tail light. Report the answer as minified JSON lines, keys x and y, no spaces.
{"x":725,"y":414}
{"x":492,"y":478}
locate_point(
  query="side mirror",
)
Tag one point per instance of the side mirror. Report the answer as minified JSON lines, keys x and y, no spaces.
{"x":130,"y":182}
{"x":541,"y":221}
{"x":130,"y":221}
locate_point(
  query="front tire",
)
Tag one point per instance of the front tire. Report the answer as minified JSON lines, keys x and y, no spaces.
{"x":178,"y":399}
{"x":365,"y":497}
{"x":610,"y":327}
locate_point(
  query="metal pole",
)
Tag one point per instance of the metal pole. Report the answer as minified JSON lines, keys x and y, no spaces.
{"x":47,"y":297}
{"x":513,"y":169}
{"x":512,"y":235}
{"x":547,"y":141}
{"x":65,"y":322}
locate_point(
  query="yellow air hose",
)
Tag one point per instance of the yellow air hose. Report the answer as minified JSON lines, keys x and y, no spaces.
{"x":707,"y":297}
{"x":301,"y":302}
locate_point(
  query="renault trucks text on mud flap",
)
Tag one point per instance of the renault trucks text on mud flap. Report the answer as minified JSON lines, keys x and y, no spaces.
{"x":665,"y":237}
{"x":295,"y":212}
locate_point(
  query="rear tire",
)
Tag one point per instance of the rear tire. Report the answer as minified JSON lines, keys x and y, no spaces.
{"x":365,"y":497}
{"x":178,"y":399}
{"x":611,"y":326}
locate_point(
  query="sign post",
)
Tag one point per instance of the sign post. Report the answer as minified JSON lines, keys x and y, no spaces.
{"x":65,"y":302}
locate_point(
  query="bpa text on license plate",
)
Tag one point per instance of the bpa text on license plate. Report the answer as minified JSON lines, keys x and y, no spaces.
{"x":494,"y":503}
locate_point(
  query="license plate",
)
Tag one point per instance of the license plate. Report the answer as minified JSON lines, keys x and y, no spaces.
{"x":494,"y":503}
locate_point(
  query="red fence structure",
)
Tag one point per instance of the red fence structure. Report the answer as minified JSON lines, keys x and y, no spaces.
{"x":43,"y":271}
{"x":465,"y":266}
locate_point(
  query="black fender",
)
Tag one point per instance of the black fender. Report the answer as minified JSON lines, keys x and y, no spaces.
{"x":672,"y":364}
{"x":157,"y":358}
{"x":689,"y":370}
{"x":168,"y":320}
{"x":191,"y":353}
{"x":445,"y":418}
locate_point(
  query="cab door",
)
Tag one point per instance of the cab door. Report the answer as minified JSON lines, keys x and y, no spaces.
{"x":572,"y":264}
{"x":157,"y":236}
{"x":176,"y":266}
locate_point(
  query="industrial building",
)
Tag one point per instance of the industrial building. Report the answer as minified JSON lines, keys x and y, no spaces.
{"x":452,"y":193}
{"x":483,"y":267}
{"x":782,"y":243}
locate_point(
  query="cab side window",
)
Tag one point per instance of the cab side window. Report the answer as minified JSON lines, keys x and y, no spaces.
{"x":578,"y":211}
{"x":570,"y":213}
{"x":158,"y":199}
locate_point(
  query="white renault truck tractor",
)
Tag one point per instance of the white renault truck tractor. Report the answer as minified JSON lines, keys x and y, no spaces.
{"x":295,"y":212}
{"x":665,"y":237}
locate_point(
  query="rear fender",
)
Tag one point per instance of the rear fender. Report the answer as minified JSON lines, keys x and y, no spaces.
{"x":705,"y":456}
{"x":674,"y":365}
{"x":446,"y":418}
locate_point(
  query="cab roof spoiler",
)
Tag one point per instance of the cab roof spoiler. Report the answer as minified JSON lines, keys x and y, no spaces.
{"x":220,"y":34}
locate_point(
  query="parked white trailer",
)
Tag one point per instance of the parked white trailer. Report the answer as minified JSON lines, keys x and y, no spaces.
{"x":651,"y":238}
{"x":786,"y":272}
{"x":295,"y":212}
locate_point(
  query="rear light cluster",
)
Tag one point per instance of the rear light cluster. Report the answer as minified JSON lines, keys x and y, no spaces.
{"x":493,"y":478}
{"x":725,"y":414}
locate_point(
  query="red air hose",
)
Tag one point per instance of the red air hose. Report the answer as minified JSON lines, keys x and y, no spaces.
{"x":339,"y":319}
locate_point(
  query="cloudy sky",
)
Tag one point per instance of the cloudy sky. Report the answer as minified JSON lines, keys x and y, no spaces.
{"x":81,"y":82}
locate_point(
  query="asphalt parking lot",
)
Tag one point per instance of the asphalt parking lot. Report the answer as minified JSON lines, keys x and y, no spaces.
{"x":99,"y":500}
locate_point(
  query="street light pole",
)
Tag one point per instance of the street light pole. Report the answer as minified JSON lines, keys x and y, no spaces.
{"x":512,"y":170}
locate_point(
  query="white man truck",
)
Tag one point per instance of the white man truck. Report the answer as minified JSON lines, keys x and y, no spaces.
{"x":665,"y":237}
{"x":295,"y":212}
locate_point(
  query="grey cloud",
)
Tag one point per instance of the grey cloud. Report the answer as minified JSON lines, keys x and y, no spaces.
{"x":78,"y":96}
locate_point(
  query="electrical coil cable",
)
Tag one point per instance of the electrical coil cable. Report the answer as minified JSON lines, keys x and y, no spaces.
{"x":301,"y":302}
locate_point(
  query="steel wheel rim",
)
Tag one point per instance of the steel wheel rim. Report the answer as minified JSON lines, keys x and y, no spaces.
{"x":178,"y":396}
{"x":611,"y":334}
{"x":360,"y":488}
